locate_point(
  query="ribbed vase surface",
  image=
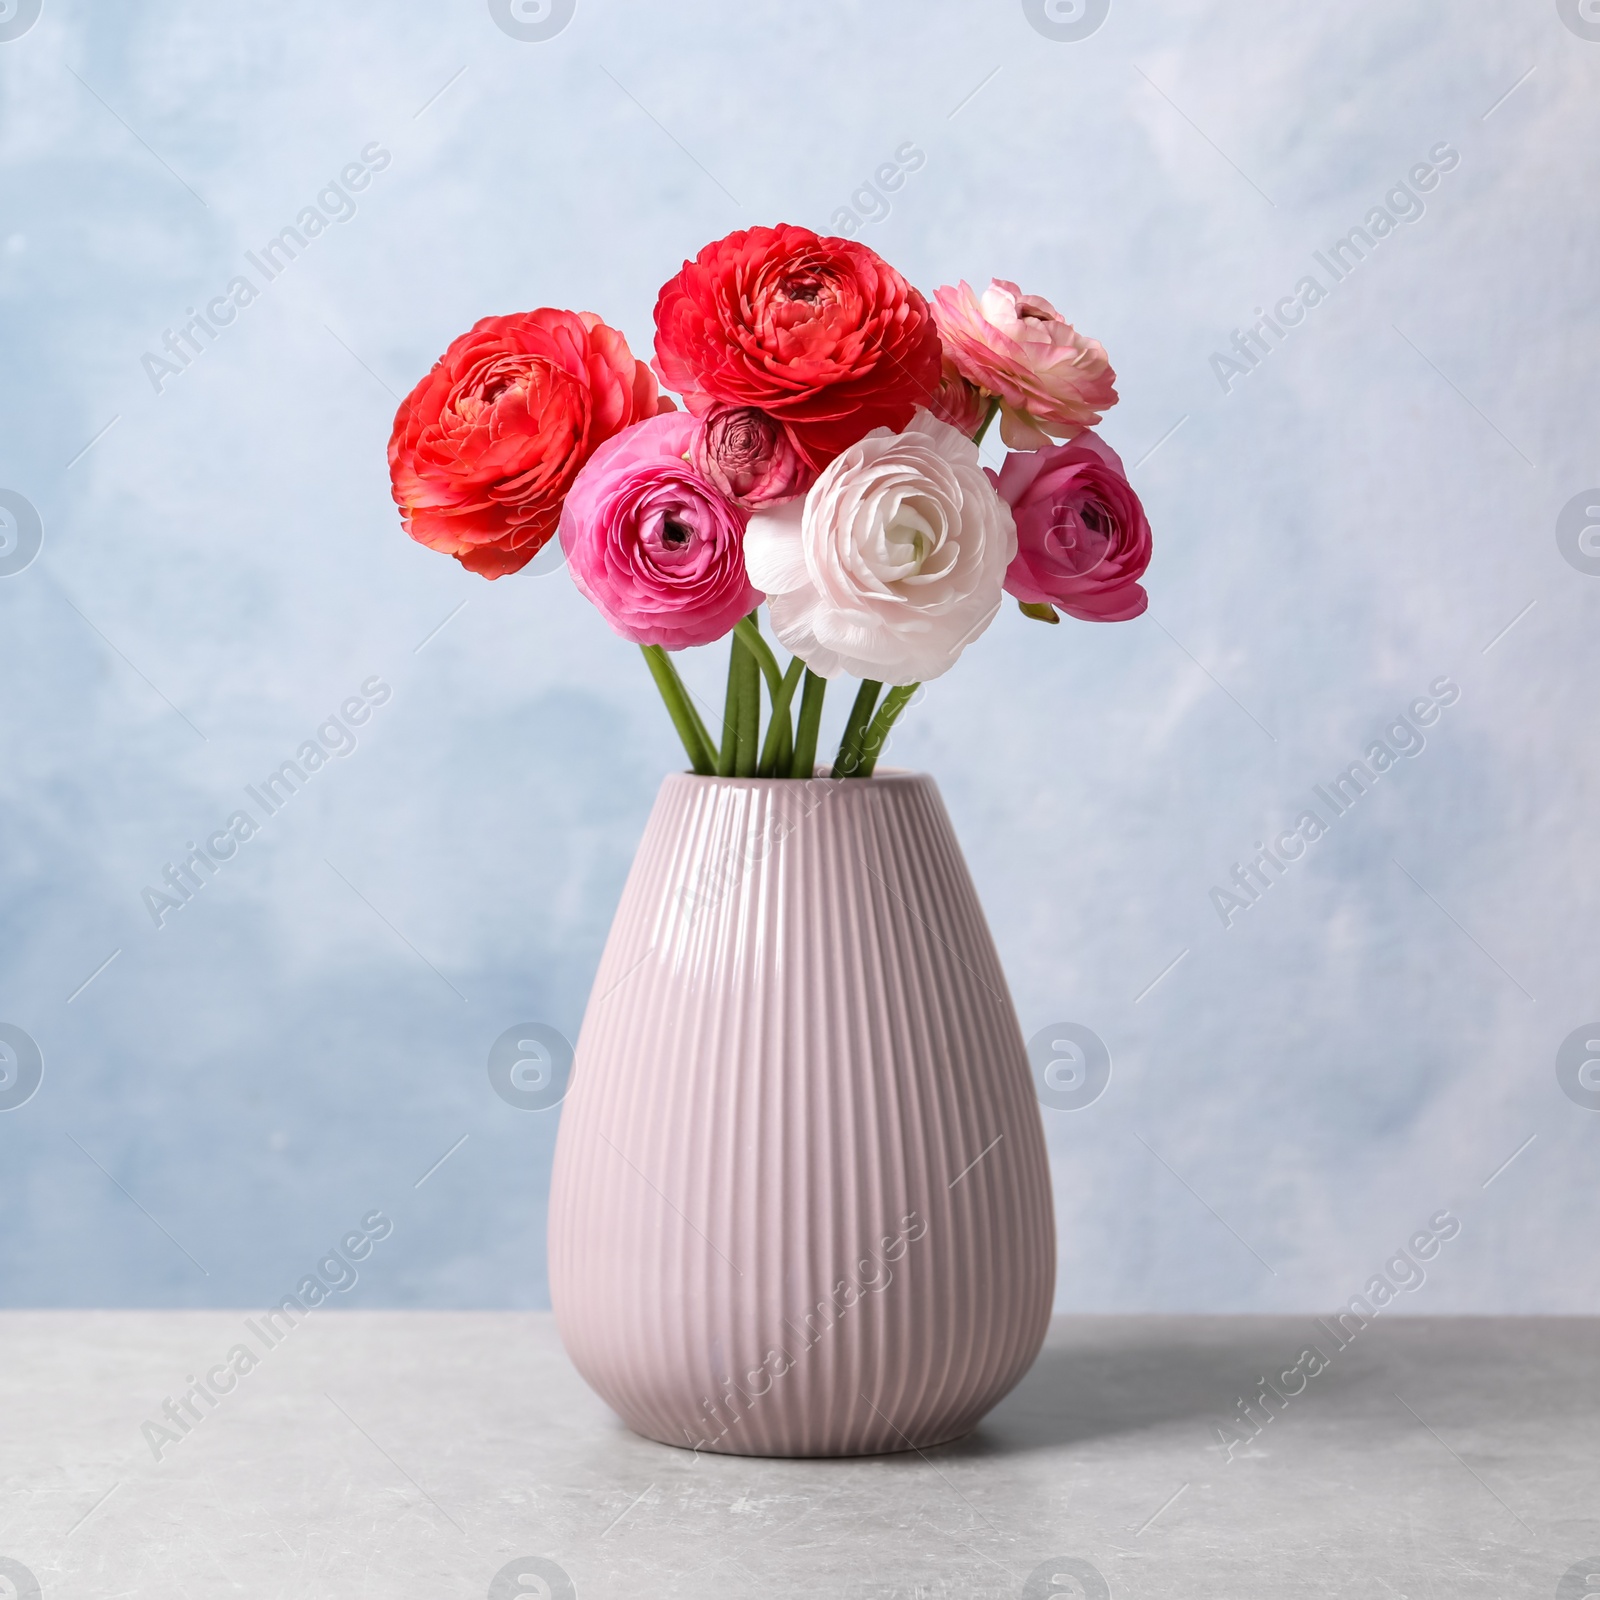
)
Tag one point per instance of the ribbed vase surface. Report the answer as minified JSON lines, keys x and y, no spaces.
{"x":801,"y":1203}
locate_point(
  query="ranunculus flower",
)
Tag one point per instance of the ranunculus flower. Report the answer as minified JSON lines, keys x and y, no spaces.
{"x":821,"y":333}
{"x":750,"y":457}
{"x":486,"y":446}
{"x":653,"y":543}
{"x":893,"y":563}
{"x":958,"y":402}
{"x":1051,"y":380}
{"x":1083,"y":541}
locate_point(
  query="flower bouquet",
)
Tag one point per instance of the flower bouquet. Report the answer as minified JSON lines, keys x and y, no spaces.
{"x":800,"y":1202}
{"x":826,"y":462}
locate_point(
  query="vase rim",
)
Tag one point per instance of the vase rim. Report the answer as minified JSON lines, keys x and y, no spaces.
{"x":821,"y":775}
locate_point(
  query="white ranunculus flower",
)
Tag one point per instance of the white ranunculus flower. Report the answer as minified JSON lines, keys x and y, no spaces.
{"x":893,"y":562}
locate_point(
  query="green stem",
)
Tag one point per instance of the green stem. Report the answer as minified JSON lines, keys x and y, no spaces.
{"x":872,"y":746}
{"x":779,"y":729}
{"x":848,"y":760}
{"x":730,"y":710}
{"x":746,"y":750}
{"x":749,"y":629}
{"x":804,"y":762}
{"x":706,"y":740}
{"x":785,"y":748}
{"x":988,"y":417}
{"x":678,"y":708}
{"x":707,"y":743}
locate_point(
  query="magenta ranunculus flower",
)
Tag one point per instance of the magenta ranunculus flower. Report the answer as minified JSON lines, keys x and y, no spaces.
{"x":751,"y":457}
{"x":653,"y":542}
{"x":1053,"y":382}
{"x":1083,"y":541}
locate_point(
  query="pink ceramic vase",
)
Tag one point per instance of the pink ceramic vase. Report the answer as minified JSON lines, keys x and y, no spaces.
{"x":801,"y":1202}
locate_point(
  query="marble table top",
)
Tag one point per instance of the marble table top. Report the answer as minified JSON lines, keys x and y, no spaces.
{"x":452,"y":1454}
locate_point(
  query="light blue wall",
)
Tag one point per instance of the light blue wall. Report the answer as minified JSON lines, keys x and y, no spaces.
{"x":1362,"y":514}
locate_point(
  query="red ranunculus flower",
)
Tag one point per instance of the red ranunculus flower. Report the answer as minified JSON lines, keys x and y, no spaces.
{"x":485,"y":448}
{"x":821,"y":333}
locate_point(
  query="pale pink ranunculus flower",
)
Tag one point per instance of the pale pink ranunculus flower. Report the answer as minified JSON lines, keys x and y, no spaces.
{"x":894,"y":561}
{"x":1052,"y":381}
{"x":1083,"y":540}
{"x":652,"y":542}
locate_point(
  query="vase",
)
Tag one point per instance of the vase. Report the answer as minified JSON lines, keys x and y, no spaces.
{"x":801,"y":1201}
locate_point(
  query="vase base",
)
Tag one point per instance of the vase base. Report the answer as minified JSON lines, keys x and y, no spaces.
{"x":844,"y":1451}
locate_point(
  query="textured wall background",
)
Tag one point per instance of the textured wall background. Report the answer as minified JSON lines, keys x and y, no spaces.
{"x":1370,"y":508}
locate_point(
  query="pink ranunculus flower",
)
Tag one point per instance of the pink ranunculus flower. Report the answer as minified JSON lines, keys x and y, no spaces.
{"x":958,"y":402}
{"x":654,"y":543}
{"x":751,"y":457}
{"x":1052,"y":381}
{"x":1083,"y":541}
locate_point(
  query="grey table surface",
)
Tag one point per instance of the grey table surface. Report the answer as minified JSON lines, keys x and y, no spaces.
{"x":421,"y":1453}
